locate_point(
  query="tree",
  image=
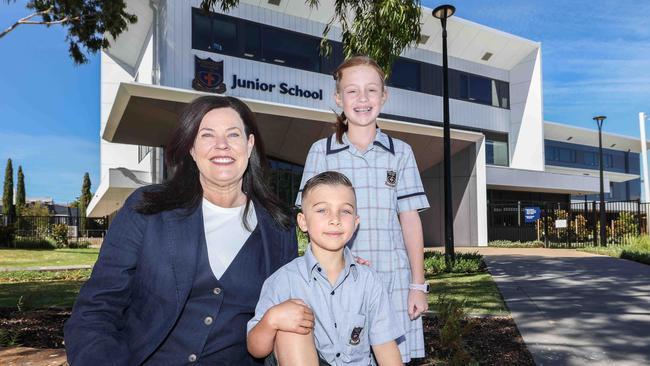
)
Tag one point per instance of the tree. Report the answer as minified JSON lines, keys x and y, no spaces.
{"x":8,"y":208}
{"x":20,"y":190}
{"x":381,"y":29}
{"x":86,"y":21}
{"x":84,"y":200}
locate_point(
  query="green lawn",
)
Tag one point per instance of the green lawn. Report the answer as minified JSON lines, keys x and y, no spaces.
{"x":479,"y":291}
{"x":49,"y":257}
{"x":637,"y":250}
{"x":41,"y":289}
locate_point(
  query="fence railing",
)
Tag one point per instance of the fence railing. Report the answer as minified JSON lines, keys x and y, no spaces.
{"x":565,"y":224}
{"x":41,"y":226}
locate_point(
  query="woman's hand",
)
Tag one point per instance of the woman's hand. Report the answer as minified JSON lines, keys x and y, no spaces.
{"x":293,"y":316}
{"x":417,"y":303}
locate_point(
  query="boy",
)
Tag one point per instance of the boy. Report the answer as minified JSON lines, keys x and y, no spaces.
{"x":343,"y":309}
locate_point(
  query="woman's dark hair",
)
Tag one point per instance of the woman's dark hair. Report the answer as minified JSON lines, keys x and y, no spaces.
{"x":183,"y":189}
{"x":359,"y":60}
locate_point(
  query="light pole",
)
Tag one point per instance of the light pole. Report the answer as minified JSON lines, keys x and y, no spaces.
{"x":644,"y":166}
{"x":443,"y":12}
{"x":603,"y":228}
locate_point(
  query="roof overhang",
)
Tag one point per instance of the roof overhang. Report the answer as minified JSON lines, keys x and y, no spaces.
{"x":616,"y":177}
{"x":147,"y":115}
{"x":540,"y":181}
{"x":589,"y":137}
{"x":113,"y":190}
{"x":130,"y":46}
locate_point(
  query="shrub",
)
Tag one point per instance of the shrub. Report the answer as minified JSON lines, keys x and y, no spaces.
{"x":81,"y":244}
{"x":7,"y":234}
{"x":34,"y":243}
{"x":516,"y":244}
{"x":636,"y":255}
{"x":60,"y":235}
{"x":434,"y":263}
{"x":451,"y":315}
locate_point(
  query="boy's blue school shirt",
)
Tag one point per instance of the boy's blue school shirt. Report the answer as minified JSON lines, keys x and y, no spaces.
{"x":350,"y":316}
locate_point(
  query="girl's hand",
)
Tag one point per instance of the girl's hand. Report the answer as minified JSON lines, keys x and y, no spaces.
{"x":362,"y":261}
{"x":292,"y":316}
{"x":417,"y":303}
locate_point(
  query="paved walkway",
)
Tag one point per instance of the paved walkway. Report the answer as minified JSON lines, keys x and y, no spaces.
{"x":575,"y":308}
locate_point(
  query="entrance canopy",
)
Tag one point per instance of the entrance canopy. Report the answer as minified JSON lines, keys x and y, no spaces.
{"x":148,"y":114}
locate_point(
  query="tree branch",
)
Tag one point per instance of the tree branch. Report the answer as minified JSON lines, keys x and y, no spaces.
{"x":26,"y":20}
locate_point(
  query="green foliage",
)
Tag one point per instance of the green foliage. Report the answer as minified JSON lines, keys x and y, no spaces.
{"x":434,"y":263}
{"x":20,"y":190}
{"x":86,"y":22}
{"x":637,"y":250}
{"x":516,"y":244}
{"x":8,"y":338}
{"x":60,"y":235}
{"x":84,"y":200}
{"x":303,"y":241}
{"x":7,"y":235}
{"x":81,"y":244}
{"x":34,"y":243}
{"x":379,"y":29}
{"x":453,"y":328}
{"x":8,"y":208}
{"x":44,"y":276}
{"x":35,"y":209}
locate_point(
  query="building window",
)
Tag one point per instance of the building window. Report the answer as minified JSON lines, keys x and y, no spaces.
{"x":143,"y":151}
{"x":551,"y":153}
{"x":405,"y":75}
{"x":496,"y":152}
{"x":590,"y":158}
{"x":291,"y":49}
{"x":566,"y":155}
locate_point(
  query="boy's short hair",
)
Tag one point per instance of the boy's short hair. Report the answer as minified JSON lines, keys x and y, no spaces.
{"x":330,"y":178}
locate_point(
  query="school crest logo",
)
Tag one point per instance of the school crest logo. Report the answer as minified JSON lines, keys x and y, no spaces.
{"x":355,"y":337}
{"x":208,"y":75}
{"x":391,"y":178}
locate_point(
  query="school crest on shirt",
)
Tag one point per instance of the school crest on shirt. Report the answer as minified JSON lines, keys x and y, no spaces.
{"x":391,"y":178}
{"x":355,"y":337}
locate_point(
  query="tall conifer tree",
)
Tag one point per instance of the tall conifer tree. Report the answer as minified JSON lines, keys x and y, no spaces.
{"x":20,"y":191}
{"x":8,"y":208}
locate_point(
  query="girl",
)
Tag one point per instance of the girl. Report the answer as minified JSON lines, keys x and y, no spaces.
{"x":389,"y":193}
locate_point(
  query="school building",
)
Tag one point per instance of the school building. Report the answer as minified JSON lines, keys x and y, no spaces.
{"x":267,"y":53}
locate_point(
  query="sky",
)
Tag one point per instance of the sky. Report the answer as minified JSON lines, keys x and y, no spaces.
{"x":595,"y":61}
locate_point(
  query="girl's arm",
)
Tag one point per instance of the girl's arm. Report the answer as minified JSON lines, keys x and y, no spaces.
{"x":414,"y":243}
{"x":387,"y":354}
{"x":290,"y":316}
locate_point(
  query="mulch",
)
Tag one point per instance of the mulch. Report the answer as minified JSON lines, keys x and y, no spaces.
{"x":489,"y":341}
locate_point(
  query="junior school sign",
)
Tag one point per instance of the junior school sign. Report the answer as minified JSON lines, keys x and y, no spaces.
{"x":208,"y":76}
{"x":531,"y":214}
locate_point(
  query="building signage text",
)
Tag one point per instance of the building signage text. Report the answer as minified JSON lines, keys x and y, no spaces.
{"x":283,"y":88}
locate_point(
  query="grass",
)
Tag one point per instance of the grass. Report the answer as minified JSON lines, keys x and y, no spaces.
{"x":637,"y":250}
{"x":39,"y":258}
{"x":35,"y":289}
{"x":478,"y":290}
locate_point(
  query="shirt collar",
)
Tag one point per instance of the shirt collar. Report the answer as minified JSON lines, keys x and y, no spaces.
{"x":381,"y":139}
{"x":311,"y":263}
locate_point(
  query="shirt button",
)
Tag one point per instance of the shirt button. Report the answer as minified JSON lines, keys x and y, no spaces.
{"x":318,"y":269}
{"x":338,"y":354}
{"x":207,"y":320}
{"x":192,"y":358}
{"x":332,"y":293}
{"x":216,"y":290}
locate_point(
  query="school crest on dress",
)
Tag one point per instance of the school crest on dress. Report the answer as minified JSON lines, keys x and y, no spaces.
{"x":391,"y":178}
{"x":355,"y":337}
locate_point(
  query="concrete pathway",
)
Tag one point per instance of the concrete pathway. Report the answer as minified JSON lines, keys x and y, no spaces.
{"x":575,"y":308}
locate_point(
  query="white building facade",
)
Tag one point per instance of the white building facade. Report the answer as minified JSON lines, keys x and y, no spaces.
{"x":267,"y":55}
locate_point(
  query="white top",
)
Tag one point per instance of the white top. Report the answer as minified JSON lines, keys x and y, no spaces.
{"x":225,"y":233}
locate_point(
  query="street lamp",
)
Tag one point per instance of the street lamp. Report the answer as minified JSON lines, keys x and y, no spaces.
{"x":443,"y":12}
{"x":603,"y":231}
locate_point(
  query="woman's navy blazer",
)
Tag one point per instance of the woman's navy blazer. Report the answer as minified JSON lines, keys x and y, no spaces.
{"x":142,"y":279}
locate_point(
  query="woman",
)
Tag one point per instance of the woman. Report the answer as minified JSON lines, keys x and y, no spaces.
{"x":183,"y":263}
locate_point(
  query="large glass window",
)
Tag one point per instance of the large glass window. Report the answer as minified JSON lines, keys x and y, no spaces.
{"x":405,"y":75}
{"x":566,"y":155}
{"x":480,"y":89}
{"x":496,"y":152}
{"x":590,"y":158}
{"x":291,"y":49}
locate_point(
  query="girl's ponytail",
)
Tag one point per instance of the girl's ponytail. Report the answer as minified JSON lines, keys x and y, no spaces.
{"x":341,"y":127}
